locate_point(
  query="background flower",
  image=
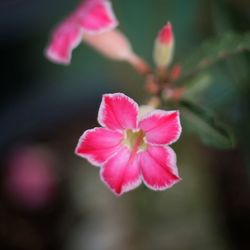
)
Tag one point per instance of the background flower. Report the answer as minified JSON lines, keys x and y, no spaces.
{"x":90,"y":17}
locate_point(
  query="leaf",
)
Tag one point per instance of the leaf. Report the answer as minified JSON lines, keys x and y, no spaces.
{"x":201,"y":122}
{"x":198,"y":85}
{"x":212,"y":51}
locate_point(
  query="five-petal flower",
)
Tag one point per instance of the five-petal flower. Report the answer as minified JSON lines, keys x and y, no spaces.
{"x":131,"y":150}
{"x":90,"y":17}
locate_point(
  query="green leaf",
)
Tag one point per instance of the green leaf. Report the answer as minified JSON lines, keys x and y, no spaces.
{"x":198,"y":85}
{"x":212,"y":51}
{"x":201,"y":122}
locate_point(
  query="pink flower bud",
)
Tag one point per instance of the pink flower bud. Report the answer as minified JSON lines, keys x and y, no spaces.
{"x":174,"y":94}
{"x":115,"y":45}
{"x":175,"y":72}
{"x":164,"y":47}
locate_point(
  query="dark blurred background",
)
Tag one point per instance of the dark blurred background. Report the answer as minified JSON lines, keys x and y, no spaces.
{"x":51,"y":199}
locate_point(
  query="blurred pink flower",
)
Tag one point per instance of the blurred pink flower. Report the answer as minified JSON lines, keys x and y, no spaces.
{"x":90,"y":17}
{"x":30,"y":177}
{"x":130,"y":149}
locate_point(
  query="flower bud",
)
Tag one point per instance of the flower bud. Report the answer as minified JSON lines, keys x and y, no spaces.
{"x":164,"y":47}
{"x":175,"y":72}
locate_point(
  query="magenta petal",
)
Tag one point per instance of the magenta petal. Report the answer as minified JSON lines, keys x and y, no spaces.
{"x":161,"y":127}
{"x":96,"y":16}
{"x":98,"y":144}
{"x":158,"y":167}
{"x":121,"y":172}
{"x":118,"y":111}
{"x":66,"y":36}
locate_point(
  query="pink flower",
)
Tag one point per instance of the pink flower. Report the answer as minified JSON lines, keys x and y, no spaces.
{"x":91,"y":17}
{"x":130,"y":150}
{"x":30,"y":179}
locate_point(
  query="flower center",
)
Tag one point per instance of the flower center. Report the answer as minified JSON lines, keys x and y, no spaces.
{"x":135,"y":140}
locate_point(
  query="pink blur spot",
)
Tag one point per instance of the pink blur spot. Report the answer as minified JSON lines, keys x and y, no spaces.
{"x":30,"y":177}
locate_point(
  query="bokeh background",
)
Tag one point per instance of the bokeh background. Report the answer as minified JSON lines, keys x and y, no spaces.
{"x":51,"y":199}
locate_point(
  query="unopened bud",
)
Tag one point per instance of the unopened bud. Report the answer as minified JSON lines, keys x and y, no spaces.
{"x":175,"y":72}
{"x":174,"y":94}
{"x":151,"y":85}
{"x":164,"y":47}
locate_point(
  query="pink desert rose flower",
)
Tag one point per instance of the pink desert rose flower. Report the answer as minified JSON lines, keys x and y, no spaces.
{"x":90,"y":17}
{"x":130,"y":149}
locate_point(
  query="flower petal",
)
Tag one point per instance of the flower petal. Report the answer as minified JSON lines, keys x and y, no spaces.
{"x":161,"y":127}
{"x":121,"y":172}
{"x":118,"y":111}
{"x":98,"y":144}
{"x":96,"y":16}
{"x":158,"y":167}
{"x":112,"y":44}
{"x":66,"y":36}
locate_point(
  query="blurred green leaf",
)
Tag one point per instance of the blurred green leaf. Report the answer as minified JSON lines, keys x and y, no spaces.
{"x":212,"y":51}
{"x":198,"y":85}
{"x":201,"y":122}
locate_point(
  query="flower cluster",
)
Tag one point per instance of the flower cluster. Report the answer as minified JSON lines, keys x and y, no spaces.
{"x":132,"y":146}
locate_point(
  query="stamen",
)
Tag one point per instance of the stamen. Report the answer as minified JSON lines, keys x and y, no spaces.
{"x":135,"y":140}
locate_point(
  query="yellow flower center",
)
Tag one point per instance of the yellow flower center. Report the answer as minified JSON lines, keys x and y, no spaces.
{"x":135,"y":140}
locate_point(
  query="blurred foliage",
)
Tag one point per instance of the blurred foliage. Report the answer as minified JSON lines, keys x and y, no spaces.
{"x":212,"y":51}
{"x":201,"y":122}
{"x":196,"y":119}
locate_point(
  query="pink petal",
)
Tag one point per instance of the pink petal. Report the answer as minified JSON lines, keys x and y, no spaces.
{"x":96,"y":16}
{"x":121,"y":172}
{"x":161,"y":127}
{"x":158,"y":166}
{"x":118,"y":111}
{"x":66,"y":36}
{"x":98,"y":144}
